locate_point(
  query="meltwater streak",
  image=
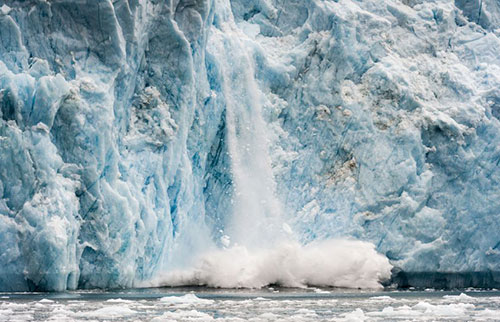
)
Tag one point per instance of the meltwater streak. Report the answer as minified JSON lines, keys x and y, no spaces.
{"x":262,"y":248}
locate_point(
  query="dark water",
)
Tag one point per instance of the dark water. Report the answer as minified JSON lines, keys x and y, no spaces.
{"x":201,"y":304}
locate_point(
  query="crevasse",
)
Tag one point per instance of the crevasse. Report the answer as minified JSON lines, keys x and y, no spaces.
{"x":137,"y":136}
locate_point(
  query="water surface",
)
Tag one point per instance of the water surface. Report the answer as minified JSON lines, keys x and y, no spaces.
{"x":270,"y":304}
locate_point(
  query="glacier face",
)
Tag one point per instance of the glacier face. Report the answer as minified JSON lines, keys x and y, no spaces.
{"x":132,"y":132}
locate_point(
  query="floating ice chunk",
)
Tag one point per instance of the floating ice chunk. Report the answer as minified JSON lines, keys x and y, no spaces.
{"x":320,"y":291}
{"x":306,"y":312}
{"x":382,"y":299}
{"x":460,"y":298}
{"x":119,"y":301}
{"x":179,"y":315}
{"x":489,"y":314}
{"x":268,"y":316}
{"x":354,"y":316}
{"x":260,"y":299}
{"x":390,"y":311}
{"x":109,"y":312}
{"x":45,"y":301}
{"x":458,"y":309}
{"x":188,"y":299}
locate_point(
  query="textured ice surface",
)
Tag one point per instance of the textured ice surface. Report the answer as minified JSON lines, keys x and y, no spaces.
{"x":137,"y":135}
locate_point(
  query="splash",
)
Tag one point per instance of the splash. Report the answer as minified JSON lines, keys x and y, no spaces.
{"x":260,"y":248}
{"x":334,"y":263}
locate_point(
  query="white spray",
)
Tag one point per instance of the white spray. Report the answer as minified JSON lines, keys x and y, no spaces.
{"x":261,"y":249}
{"x":256,"y":211}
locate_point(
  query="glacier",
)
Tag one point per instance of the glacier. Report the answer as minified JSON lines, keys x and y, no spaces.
{"x":138,"y":136}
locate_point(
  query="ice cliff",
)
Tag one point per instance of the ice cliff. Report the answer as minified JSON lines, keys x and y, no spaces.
{"x":136,"y":135}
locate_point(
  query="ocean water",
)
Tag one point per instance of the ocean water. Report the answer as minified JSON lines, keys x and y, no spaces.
{"x":270,"y":304}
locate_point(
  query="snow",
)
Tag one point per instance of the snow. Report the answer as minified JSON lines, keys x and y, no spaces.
{"x":139,"y":138}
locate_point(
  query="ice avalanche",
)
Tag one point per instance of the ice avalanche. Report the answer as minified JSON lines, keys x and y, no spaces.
{"x":249,"y":142}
